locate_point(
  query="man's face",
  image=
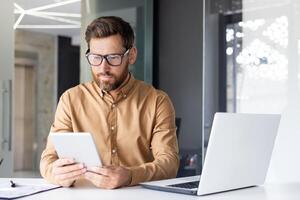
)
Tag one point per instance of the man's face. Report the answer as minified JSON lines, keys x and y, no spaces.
{"x":106,"y":76}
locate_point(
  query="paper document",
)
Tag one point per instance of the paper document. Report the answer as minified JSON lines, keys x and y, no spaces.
{"x":23,"y":189}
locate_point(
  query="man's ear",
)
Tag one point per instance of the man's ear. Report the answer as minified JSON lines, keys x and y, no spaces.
{"x":132,"y":55}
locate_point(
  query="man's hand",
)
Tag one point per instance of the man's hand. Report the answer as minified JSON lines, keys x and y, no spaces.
{"x":109,"y":177}
{"x":65,"y":171}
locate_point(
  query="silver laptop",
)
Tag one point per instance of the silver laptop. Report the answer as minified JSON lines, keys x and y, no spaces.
{"x":238,"y":155}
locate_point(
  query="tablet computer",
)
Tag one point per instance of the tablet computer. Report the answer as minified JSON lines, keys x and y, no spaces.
{"x":79,"y":146}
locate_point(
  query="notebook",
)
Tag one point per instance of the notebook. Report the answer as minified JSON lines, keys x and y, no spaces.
{"x":23,"y":187}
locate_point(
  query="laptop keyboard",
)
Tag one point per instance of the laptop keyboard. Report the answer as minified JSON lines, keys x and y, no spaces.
{"x":187,"y":185}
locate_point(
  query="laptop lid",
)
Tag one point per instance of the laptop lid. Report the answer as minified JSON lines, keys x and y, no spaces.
{"x":239,"y":151}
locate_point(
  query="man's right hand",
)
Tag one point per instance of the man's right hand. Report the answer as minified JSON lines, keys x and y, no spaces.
{"x":65,"y":171}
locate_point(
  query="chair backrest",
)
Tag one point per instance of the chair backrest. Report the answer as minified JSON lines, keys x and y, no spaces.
{"x":178,"y":123}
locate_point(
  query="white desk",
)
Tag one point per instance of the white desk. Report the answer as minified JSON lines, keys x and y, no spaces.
{"x":84,"y":190}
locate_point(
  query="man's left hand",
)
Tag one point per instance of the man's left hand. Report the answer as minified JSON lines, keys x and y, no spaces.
{"x":109,"y":177}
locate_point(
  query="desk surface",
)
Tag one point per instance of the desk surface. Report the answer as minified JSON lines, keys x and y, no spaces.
{"x":84,"y":190}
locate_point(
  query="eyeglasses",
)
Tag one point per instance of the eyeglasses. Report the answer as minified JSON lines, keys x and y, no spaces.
{"x":111,"y":59}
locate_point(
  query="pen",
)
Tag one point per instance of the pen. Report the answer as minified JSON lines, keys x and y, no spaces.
{"x":12,"y":184}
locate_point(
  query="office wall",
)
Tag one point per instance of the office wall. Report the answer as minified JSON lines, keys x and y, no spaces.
{"x":180,"y":64}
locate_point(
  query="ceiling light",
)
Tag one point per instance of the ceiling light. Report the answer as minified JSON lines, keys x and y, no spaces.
{"x":55,"y":16}
{"x":48,"y":26}
{"x":18,"y":20}
{"x":59,"y":19}
{"x":60,"y":14}
{"x":53,"y":5}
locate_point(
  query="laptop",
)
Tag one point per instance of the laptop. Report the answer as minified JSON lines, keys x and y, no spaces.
{"x":238,"y":156}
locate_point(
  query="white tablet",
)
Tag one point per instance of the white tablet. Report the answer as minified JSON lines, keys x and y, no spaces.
{"x":79,"y":146}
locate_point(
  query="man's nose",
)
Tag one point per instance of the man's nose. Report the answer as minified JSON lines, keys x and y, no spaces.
{"x":105,"y":64}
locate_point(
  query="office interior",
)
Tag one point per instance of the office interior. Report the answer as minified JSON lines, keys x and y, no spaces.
{"x":207,"y":55}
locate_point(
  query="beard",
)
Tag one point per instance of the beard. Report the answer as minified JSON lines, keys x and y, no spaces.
{"x":106,"y":85}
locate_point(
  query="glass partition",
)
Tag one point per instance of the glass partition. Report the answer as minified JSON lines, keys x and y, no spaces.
{"x":257,"y":69}
{"x":6,"y":81}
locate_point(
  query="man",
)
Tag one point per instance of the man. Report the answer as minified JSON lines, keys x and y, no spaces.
{"x":132,"y":123}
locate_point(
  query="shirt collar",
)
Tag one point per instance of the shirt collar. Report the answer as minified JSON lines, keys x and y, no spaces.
{"x":127,"y":87}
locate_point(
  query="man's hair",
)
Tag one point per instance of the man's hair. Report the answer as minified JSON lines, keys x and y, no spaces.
{"x":110,"y":25}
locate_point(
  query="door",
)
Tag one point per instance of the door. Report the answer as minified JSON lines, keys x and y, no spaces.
{"x":24,"y":117}
{"x":6,"y":81}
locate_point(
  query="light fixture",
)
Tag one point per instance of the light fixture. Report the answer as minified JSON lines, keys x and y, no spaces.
{"x":55,"y":16}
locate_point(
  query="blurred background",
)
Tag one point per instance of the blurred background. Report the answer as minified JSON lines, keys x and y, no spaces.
{"x":209,"y":56}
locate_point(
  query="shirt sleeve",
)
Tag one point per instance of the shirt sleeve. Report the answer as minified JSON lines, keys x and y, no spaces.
{"x":164,"y":147}
{"x":62,"y":123}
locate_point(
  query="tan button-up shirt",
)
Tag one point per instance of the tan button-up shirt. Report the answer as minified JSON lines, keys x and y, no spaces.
{"x":136,"y":130}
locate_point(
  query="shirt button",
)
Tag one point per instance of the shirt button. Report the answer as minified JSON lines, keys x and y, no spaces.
{"x":114,"y":151}
{"x":112,"y":128}
{"x":113,"y":105}
{"x":124,"y":96}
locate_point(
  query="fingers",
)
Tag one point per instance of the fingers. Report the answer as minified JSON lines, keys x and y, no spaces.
{"x":63,"y":161}
{"x":68,"y":168}
{"x":99,"y":180}
{"x":108,"y":177}
{"x":70,"y":174}
{"x":65,"y":171}
{"x":106,"y":171}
